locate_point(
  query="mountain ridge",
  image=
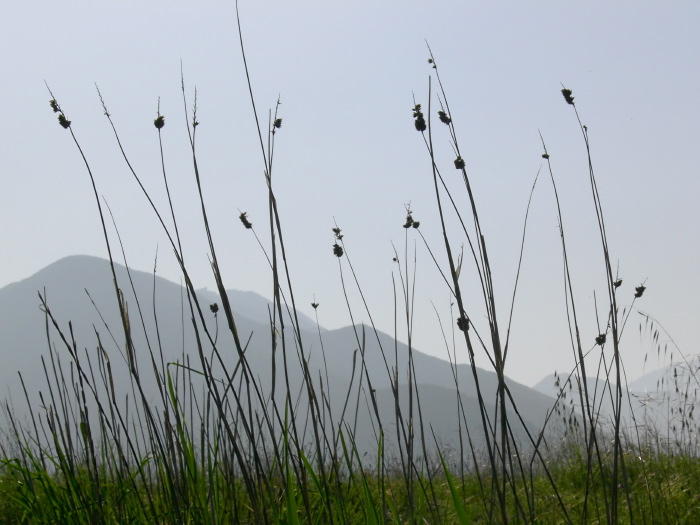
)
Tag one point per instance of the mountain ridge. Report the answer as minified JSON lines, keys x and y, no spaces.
{"x":163,"y":340}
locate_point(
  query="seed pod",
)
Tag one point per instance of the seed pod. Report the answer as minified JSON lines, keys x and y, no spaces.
{"x":244,"y":219}
{"x":568,"y":96}
{"x":463,"y":324}
{"x":63,"y":121}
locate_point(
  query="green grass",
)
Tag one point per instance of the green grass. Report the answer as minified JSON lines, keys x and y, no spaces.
{"x":663,"y":489}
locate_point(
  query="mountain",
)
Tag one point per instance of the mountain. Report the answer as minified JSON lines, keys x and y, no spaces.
{"x":661,"y":399}
{"x":554,"y":385}
{"x":673,"y":376}
{"x":79,"y":293}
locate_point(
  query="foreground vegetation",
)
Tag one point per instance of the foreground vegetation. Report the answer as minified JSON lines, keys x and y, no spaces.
{"x":664,"y":489}
{"x":216,"y":448}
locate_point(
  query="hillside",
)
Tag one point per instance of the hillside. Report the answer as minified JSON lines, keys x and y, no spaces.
{"x":80,"y":295}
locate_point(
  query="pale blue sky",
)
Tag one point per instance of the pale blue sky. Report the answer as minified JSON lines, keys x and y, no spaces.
{"x":347,"y":151}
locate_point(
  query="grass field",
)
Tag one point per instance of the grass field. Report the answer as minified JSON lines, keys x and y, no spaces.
{"x":229,"y":452}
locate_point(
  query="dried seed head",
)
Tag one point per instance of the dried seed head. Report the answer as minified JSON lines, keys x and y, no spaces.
{"x":420,"y":119}
{"x":568,"y":96}
{"x":545,"y":155}
{"x":278,"y":123}
{"x":409,"y":218}
{"x":214,"y":308}
{"x":337,"y":250}
{"x":463,"y":324}
{"x":600,"y":340}
{"x":63,"y":121}
{"x":639,"y":291}
{"x":617,"y":283}
{"x":443,"y":117}
{"x":159,"y":122}
{"x":314,"y":305}
{"x":54,"y":106}
{"x":459,"y":163}
{"x":244,"y":219}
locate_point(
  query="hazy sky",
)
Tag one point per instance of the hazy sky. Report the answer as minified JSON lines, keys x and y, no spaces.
{"x":348,"y":153}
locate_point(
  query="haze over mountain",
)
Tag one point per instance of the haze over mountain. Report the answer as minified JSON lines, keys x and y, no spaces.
{"x":661,"y":400}
{"x":80,"y":294}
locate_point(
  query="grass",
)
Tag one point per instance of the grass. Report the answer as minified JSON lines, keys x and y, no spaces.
{"x":215,"y":447}
{"x":668,"y":496}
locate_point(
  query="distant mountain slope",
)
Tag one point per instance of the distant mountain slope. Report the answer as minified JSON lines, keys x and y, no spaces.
{"x":255,"y":307}
{"x":163,"y":339}
{"x":668,"y":378}
{"x":660,"y":399}
{"x":549,"y":387}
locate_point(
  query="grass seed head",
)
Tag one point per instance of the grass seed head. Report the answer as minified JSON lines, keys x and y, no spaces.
{"x":463,"y":324}
{"x":337,"y":250}
{"x":244,"y":219}
{"x":639,"y":291}
{"x":568,"y":96}
{"x":459,"y":163}
{"x":444,"y":118}
{"x":420,"y":118}
{"x":63,"y":121}
{"x":159,"y":122}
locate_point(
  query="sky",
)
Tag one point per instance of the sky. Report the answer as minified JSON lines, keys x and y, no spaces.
{"x":347,"y":75}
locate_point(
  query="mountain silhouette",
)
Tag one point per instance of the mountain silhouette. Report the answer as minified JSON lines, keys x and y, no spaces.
{"x":347,"y":365}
